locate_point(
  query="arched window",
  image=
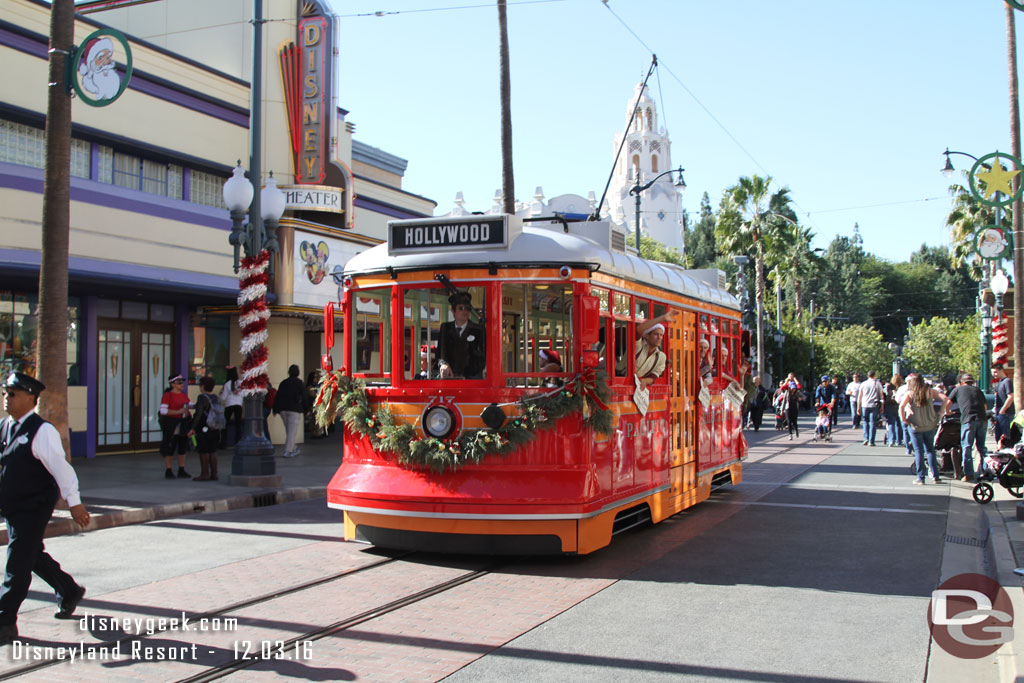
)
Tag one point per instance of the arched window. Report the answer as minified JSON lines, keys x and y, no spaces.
{"x":654,"y":163}
{"x":650,"y":119}
{"x":636,"y":165}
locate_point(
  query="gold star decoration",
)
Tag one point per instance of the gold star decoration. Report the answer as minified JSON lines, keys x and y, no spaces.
{"x":997,"y":179}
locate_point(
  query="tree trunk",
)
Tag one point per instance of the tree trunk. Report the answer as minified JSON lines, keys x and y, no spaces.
{"x":52,"y":332}
{"x":1018,"y":233}
{"x":507,"y":182}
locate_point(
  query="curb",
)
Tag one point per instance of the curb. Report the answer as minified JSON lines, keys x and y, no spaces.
{"x":65,"y":526}
{"x":1002,"y":562}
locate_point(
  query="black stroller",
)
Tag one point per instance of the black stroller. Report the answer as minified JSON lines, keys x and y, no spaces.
{"x":947,"y":446}
{"x":1005,"y":467}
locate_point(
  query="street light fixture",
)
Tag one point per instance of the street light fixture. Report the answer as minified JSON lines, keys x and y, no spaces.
{"x":999,"y":284}
{"x":638,"y":188}
{"x":253,"y":462}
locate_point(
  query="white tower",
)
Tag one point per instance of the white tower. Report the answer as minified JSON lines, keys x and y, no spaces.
{"x":647,"y":151}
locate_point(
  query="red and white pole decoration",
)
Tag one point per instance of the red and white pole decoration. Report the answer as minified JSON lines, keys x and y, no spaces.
{"x":1000,"y":342}
{"x":253,"y":316}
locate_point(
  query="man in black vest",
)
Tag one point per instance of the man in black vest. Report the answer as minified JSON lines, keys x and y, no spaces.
{"x":33,"y":475}
{"x":460,"y":350}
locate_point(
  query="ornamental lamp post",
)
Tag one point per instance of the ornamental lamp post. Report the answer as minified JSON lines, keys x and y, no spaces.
{"x":253,"y":462}
{"x":999,"y":285}
{"x":638,"y":188}
{"x":780,"y":339}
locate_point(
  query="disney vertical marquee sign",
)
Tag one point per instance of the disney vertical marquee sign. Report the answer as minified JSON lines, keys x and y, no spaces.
{"x":307,"y":72}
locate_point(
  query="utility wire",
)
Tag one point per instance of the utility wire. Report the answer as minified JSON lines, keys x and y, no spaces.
{"x":706,"y":110}
{"x":384,"y":13}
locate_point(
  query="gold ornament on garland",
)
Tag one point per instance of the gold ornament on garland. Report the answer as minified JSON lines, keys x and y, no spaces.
{"x":341,"y":396}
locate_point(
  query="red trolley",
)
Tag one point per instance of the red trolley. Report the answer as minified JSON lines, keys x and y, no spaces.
{"x":511,"y":454}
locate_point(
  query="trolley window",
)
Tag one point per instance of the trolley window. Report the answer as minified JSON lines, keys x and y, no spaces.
{"x":422,"y":310}
{"x":462,"y":337}
{"x":371,"y":355}
{"x":536,"y":332}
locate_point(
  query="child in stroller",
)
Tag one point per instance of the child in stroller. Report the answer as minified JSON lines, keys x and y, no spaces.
{"x":823,"y":423}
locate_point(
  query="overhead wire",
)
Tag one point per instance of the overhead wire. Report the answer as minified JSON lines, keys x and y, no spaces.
{"x":385,"y":13}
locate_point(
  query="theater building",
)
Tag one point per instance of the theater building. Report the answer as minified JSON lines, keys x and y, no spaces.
{"x":151,"y":285}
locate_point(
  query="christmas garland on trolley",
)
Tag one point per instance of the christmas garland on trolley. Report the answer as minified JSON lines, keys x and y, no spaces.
{"x":586,"y":393}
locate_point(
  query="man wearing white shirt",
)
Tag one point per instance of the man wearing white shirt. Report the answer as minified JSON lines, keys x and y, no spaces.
{"x":33,"y":475}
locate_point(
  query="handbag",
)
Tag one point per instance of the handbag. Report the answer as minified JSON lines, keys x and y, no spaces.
{"x":923,"y":418}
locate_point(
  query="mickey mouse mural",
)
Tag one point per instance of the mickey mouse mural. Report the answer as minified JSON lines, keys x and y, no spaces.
{"x":315,"y":258}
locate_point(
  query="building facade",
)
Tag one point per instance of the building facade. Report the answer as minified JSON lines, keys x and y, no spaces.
{"x":151,"y":285}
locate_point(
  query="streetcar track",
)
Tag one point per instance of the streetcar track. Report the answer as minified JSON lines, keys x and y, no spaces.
{"x":237,"y":664}
{"x":233,"y":607}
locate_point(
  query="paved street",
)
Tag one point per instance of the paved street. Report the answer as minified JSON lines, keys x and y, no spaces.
{"x":818,"y":567}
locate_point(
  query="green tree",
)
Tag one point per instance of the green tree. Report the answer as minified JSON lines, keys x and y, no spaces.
{"x":856,"y":348}
{"x":701,"y":250}
{"x":794,"y":260}
{"x":748,"y":217}
{"x":654,"y":250}
{"x":940,"y":346}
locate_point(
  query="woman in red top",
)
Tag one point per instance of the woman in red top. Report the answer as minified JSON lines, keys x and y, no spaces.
{"x":173,"y":423}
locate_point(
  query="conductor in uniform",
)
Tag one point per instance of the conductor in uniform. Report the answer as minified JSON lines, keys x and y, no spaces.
{"x":460,"y":350}
{"x":33,"y":475}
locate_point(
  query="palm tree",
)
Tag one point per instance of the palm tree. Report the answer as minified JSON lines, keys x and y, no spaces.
{"x":1018,"y":210}
{"x":507,"y":181}
{"x":964,"y":219}
{"x":52,"y":333}
{"x":748,"y":220}
{"x":795,"y":259}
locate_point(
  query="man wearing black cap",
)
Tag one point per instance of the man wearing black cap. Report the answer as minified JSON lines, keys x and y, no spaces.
{"x":973,"y":421}
{"x":33,"y":475}
{"x":460,"y":350}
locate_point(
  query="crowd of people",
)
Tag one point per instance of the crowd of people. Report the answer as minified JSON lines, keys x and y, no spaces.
{"x":902,"y":412}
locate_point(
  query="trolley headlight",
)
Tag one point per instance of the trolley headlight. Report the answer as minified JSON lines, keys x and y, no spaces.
{"x":438,"y":422}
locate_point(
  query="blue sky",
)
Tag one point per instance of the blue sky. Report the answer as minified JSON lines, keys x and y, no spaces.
{"x":849,"y":104}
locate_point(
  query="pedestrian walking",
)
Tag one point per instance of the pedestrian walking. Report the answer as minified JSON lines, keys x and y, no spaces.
{"x":869,"y":399}
{"x":1004,"y":401}
{"x":291,"y":403}
{"x":973,"y":423}
{"x":900,"y":393}
{"x":891,"y":412}
{"x":758,"y":404}
{"x":852,"y":390}
{"x":34,"y":475}
{"x":174,"y":425}
{"x":917,"y":409}
{"x":790,"y":403}
{"x":206,"y":427}
{"x":232,"y":399}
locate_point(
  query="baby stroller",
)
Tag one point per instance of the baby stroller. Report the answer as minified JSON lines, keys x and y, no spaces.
{"x":823,"y":423}
{"x":1005,"y":467}
{"x":947,"y":446}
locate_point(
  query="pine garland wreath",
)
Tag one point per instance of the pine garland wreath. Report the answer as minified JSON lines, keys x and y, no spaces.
{"x":344,"y":397}
{"x":253,"y":315}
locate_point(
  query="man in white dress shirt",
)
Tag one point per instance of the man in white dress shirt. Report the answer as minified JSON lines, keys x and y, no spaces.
{"x":33,"y":475}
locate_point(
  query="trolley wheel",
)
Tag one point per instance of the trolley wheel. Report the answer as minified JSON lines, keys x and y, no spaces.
{"x":983,"y":492}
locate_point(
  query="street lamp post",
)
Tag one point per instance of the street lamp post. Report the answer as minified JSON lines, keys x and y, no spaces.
{"x":780,"y":339}
{"x":253,"y":463}
{"x":638,"y":188}
{"x":999,"y":284}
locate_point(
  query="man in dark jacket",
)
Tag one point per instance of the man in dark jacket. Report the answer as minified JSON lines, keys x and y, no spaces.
{"x":973,"y":421}
{"x":291,"y":404}
{"x":33,"y":475}
{"x":460,"y":349}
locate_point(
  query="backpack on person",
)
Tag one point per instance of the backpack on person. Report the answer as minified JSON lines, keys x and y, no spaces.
{"x":215,"y":416}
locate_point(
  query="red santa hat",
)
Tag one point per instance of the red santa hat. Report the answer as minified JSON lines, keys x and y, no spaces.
{"x":550,"y":356}
{"x":96,"y":46}
{"x":423,"y":351}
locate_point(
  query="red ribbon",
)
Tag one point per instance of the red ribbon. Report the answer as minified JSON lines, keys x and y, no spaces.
{"x":587,"y":383}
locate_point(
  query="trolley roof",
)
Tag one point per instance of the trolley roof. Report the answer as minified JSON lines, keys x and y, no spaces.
{"x":546,"y":246}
